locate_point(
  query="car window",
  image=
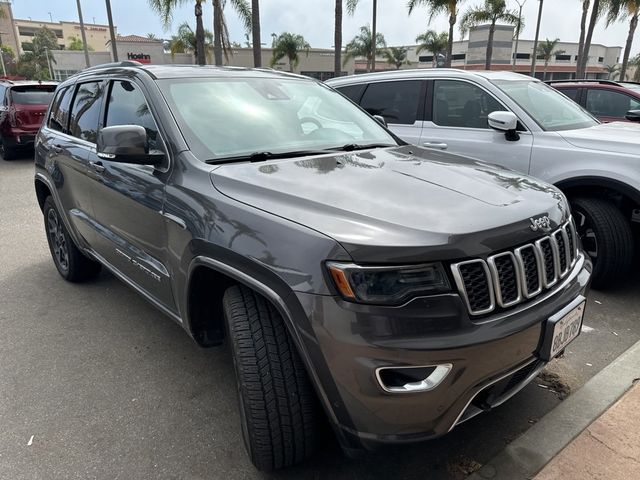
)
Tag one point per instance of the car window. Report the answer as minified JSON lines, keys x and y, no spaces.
{"x":86,"y":111}
{"x":462,"y":104}
{"x":572,"y":93}
{"x":32,"y":94}
{"x":353,"y":92}
{"x":128,"y":106}
{"x":397,"y":102}
{"x":607,"y":103}
{"x":59,"y":117}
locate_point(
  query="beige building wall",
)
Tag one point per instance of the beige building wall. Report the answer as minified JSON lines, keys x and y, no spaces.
{"x":7,"y":33}
{"x":97,"y":35}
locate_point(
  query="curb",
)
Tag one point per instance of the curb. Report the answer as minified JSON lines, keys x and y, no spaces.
{"x":528,"y":454}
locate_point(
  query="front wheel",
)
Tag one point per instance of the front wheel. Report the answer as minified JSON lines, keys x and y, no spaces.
{"x":277,"y":403}
{"x":606,"y":237}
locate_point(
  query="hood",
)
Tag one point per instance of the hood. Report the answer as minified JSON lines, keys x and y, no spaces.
{"x":617,"y":137}
{"x":400,"y":203}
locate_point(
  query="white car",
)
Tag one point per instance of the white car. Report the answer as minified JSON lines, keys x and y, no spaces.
{"x":520,"y":123}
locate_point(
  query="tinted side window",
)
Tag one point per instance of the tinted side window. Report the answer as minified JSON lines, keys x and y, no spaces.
{"x":397,"y":102}
{"x":59,"y":117}
{"x":353,"y":92}
{"x":572,"y":93}
{"x":127,"y":106}
{"x":607,"y":103}
{"x":462,"y":104}
{"x":86,"y":111}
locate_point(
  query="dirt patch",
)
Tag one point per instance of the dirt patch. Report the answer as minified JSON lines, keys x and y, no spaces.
{"x":461,"y":467}
{"x":553,"y":383}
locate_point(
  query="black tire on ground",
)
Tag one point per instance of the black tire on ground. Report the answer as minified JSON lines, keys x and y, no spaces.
{"x":277,"y":401}
{"x":7,"y":152}
{"x":71,"y":263}
{"x":613,"y":238}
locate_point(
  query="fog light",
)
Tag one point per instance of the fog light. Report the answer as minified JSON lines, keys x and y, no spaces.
{"x":412,"y":379}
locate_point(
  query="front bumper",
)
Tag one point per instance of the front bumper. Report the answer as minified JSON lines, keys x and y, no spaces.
{"x":491,"y":359}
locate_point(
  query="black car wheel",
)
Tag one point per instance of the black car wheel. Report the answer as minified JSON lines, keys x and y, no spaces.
{"x":277,"y":402}
{"x":7,"y":152}
{"x":68,"y":259}
{"x":607,"y":238}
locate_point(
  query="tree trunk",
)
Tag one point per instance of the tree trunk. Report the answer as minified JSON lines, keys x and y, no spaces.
{"x":582,"y":72}
{"x":534,"y":57}
{"x":544,"y":73}
{"x":290,"y":64}
{"x":373,"y":36}
{"x":200,"y":56}
{"x":492,"y":30}
{"x":112,"y":33}
{"x":337,"y":40}
{"x":627,"y":49}
{"x":217,"y":32}
{"x":583,"y":27}
{"x":452,"y":24}
{"x":255,"y":33}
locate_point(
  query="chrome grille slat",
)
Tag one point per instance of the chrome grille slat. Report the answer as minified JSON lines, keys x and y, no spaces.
{"x":509,"y":278}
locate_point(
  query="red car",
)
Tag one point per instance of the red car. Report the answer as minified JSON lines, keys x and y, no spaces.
{"x":606,"y":100}
{"x":24,"y":104}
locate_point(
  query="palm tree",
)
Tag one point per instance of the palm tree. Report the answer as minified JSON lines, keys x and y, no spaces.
{"x":185,"y":41}
{"x":165,"y":9}
{"x":624,"y":9}
{"x":255,"y":32}
{"x":337,"y":34}
{"x":288,"y":45}
{"x":450,"y":7}
{"x":596,"y":11}
{"x":547,"y":50}
{"x":221,"y":42}
{"x":362,"y":46}
{"x":612,"y":70}
{"x":432,"y":42}
{"x":491,"y":12}
{"x":635,"y":62}
{"x":396,"y":56}
{"x":583,"y":30}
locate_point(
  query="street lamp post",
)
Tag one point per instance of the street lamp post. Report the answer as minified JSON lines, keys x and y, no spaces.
{"x":373,"y":36}
{"x":46,"y":51}
{"x":535,"y":42}
{"x":84,"y":35}
{"x":515,"y":53}
{"x":112,"y":33}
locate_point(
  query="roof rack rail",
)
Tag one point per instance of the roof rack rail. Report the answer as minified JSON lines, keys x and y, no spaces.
{"x":584,"y":80}
{"x":125,"y":63}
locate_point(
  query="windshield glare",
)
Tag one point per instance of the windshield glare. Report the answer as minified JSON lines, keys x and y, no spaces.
{"x":230,"y":117}
{"x":549,"y":108}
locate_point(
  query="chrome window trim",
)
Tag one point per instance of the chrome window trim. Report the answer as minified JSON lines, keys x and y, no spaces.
{"x":496,"y":279}
{"x":523,"y":278}
{"x":457,"y":276}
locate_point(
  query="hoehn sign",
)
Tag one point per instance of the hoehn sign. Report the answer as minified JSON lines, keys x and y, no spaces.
{"x":139,"y":57}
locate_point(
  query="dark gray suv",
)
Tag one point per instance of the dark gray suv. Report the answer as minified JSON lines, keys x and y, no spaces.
{"x":404,"y":290}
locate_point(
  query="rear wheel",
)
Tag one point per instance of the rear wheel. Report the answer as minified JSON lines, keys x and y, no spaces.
{"x":72,"y":265}
{"x":277,"y":403}
{"x":606,"y":236}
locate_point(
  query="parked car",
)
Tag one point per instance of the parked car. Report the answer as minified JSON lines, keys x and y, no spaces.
{"x":520,"y":123}
{"x":606,"y":100}
{"x":405,"y":290}
{"x":23,"y":106}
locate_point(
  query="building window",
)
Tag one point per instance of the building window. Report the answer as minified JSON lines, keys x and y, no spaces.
{"x":425,"y":58}
{"x":458,"y":56}
{"x":600,"y":59}
{"x":523,"y":56}
{"x":563,"y":58}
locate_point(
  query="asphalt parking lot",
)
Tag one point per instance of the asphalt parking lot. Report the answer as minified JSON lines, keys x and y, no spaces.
{"x":97,"y":384}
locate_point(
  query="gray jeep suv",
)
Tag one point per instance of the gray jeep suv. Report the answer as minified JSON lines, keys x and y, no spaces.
{"x":402,"y":289}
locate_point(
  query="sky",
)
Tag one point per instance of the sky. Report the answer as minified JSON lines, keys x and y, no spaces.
{"x":314,"y":19}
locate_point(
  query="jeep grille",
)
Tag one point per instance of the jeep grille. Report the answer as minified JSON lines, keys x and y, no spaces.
{"x":509,"y":278}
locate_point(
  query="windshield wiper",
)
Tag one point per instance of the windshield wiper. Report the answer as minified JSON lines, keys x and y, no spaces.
{"x":350,"y":147}
{"x":262,"y":156}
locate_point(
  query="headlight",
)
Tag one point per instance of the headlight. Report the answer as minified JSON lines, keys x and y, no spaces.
{"x":387,"y":285}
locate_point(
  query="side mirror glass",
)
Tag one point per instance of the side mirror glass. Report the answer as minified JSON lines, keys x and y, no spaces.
{"x":381,"y":120}
{"x":633,"y":115}
{"x":506,"y":122}
{"x":126,"y":144}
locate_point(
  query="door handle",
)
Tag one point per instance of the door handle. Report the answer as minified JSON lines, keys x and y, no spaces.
{"x":97,"y":166}
{"x":438,"y":145}
{"x":56,"y":148}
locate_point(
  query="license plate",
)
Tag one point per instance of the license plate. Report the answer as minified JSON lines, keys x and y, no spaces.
{"x":561,"y":330}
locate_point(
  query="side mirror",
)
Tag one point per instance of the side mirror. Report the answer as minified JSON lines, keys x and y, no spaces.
{"x":633,"y":115}
{"x":380,"y":119}
{"x":126,"y":144}
{"x":506,"y":122}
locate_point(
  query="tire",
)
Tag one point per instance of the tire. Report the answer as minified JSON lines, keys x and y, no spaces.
{"x":277,"y":401}
{"x":7,"y":152}
{"x":71,"y":263}
{"x":606,"y":236}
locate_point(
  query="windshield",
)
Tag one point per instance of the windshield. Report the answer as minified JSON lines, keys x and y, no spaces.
{"x":232,"y":117}
{"x":33,"y":94}
{"x":549,"y":108}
